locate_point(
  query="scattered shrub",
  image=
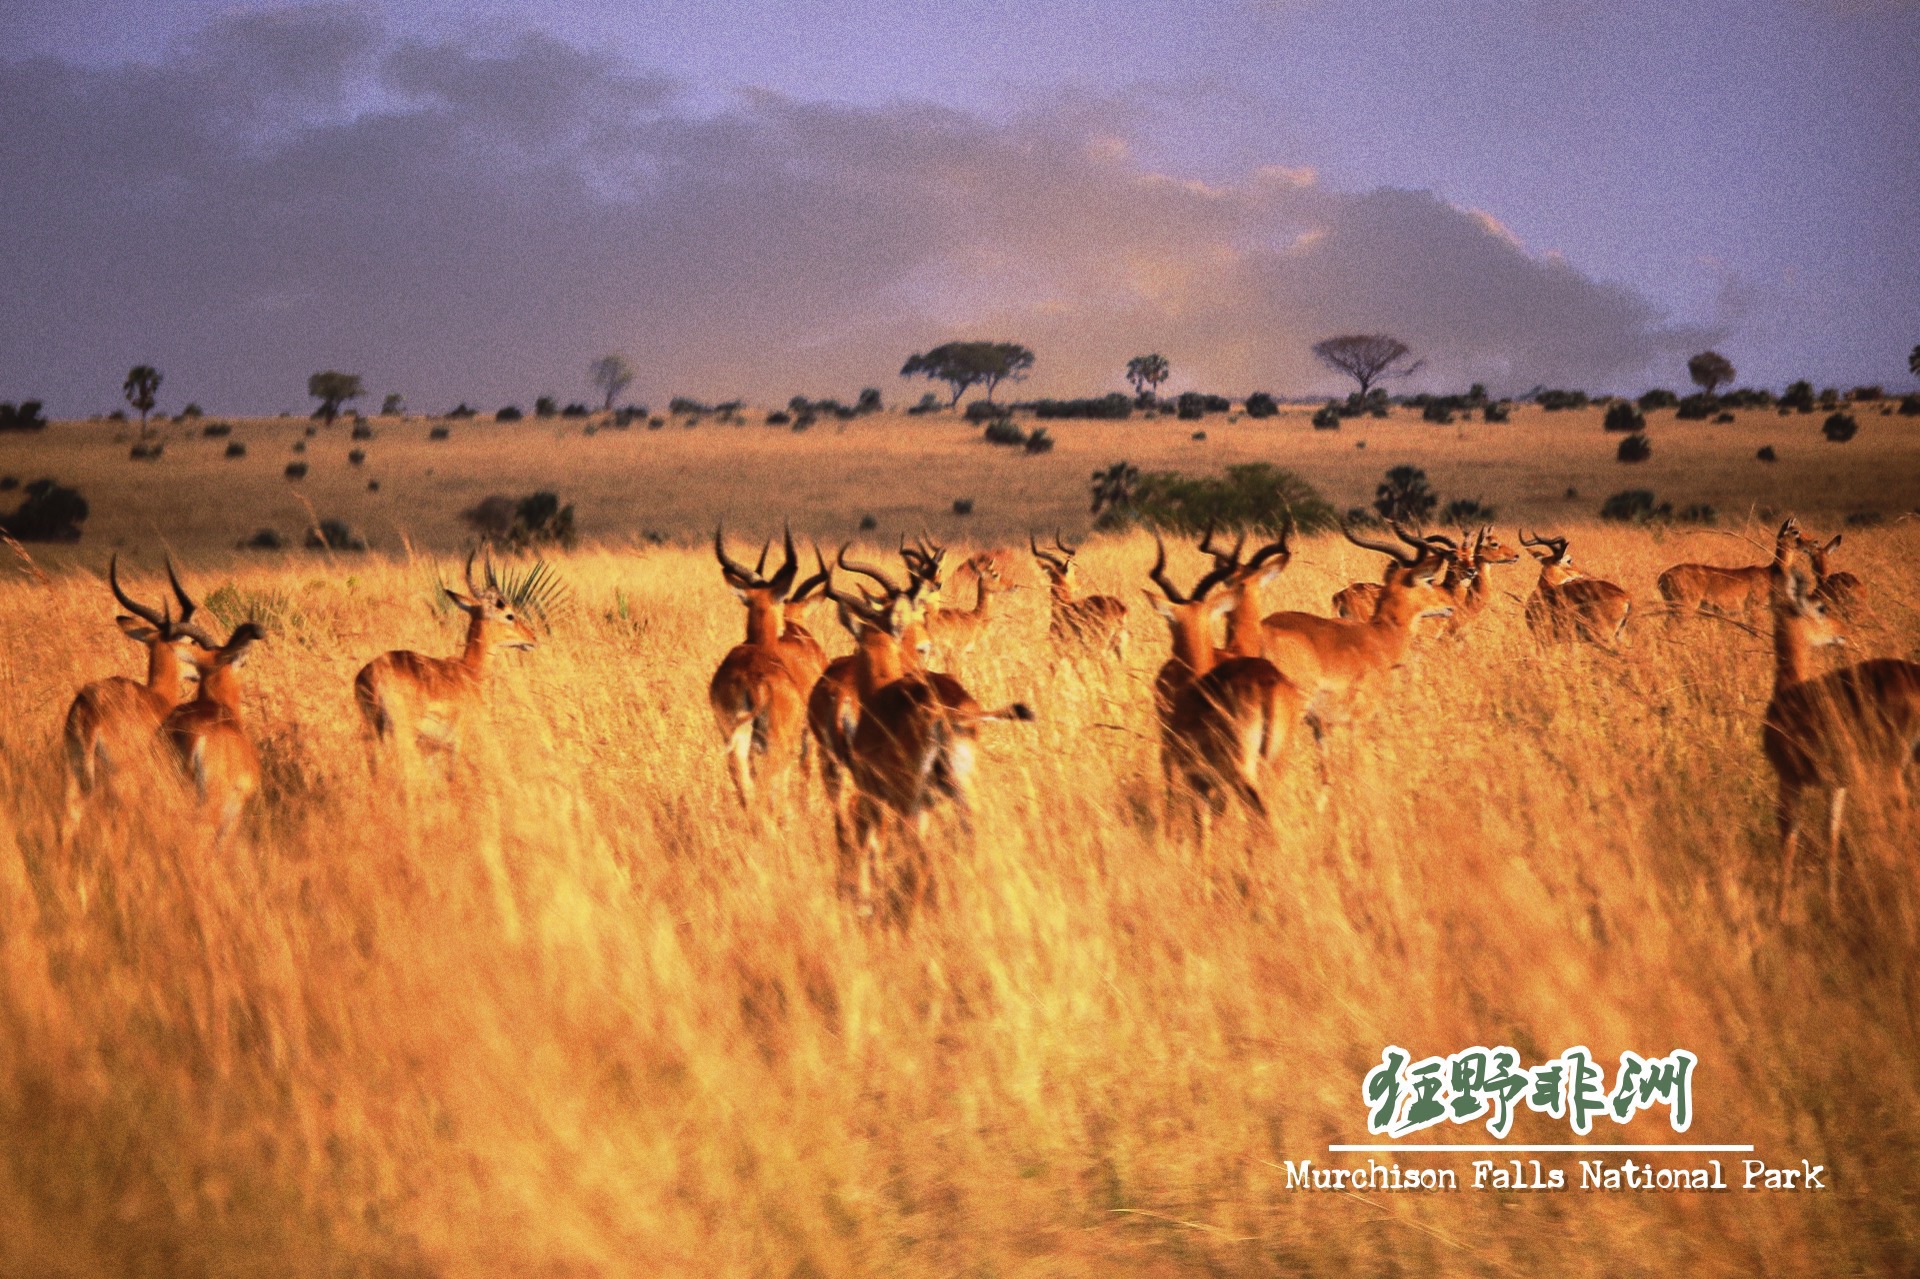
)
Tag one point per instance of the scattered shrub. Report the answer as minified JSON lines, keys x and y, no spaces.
{"x":963,"y":506}
{"x":1623,"y":416}
{"x":361,"y":431}
{"x":1698,"y":407}
{"x":1439,"y":412}
{"x":296,"y":470}
{"x":236,"y":449}
{"x":299,"y":446}
{"x":1910,"y":406}
{"x":1747,"y":397}
{"x":1327,"y":419}
{"x":779,"y":417}
{"x":682,"y":406}
{"x":1723,"y":418}
{"x":980,"y":411}
{"x":1114,"y":407}
{"x":1260,"y":404}
{"x":1657,"y":399}
{"x":147,"y":452}
{"x":1635,"y":448}
{"x":929,"y":403}
{"x":266,"y":539}
{"x":1864,"y":393}
{"x":48,"y":512}
{"x":1463,"y":511}
{"x":217,"y":430}
{"x":1865,"y":519}
{"x":1798,"y":397}
{"x":1403,"y":494}
{"x":1496,"y":412}
{"x":1766,"y":454}
{"x":1840,"y":427}
{"x":1697,"y":513}
{"x":439,"y":433}
{"x":461,"y":410}
{"x":334,"y":535}
{"x":1254,"y":496}
{"x":192,"y":410}
{"x":1039,"y":441}
{"x":576,"y":410}
{"x":1634,"y":506}
{"x":536,"y":519}
{"x":868,"y":523}
{"x":373,"y":486}
{"x":25,"y":416}
{"x":1554,"y":401}
{"x":1003,"y":431}
{"x":1199,"y":435}
{"x":511,"y":413}
{"x":356,"y":457}
{"x":546,"y":406}
{"x":868,"y":401}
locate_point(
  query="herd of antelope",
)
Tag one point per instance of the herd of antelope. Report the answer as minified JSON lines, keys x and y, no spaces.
{"x":896,"y":738}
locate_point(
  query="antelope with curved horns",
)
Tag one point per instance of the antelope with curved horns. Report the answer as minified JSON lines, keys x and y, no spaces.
{"x":1841,"y":592}
{"x":1357,"y":601}
{"x":1566,"y":604}
{"x":1223,"y":718}
{"x":1470,"y":598}
{"x":957,"y":631}
{"x":206,"y":734}
{"x":1730,"y":592}
{"x":1856,"y":727}
{"x":759,"y":691}
{"x":913,"y":740}
{"x":114,"y":722}
{"x":412,"y":699}
{"x":1333,"y":659}
{"x":1097,"y":621}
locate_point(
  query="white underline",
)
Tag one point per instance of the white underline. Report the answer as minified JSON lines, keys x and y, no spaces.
{"x":1423,"y":1149}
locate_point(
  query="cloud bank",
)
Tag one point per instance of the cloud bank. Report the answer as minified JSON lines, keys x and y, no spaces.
{"x":296,"y":190}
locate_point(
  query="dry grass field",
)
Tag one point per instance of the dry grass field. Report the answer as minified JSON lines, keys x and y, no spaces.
{"x":563,"y":1010}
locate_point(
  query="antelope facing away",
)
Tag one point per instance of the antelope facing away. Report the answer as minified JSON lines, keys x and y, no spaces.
{"x":1096,"y":621}
{"x":206,"y":733}
{"x":1223,"y":718}
{"x":1333,"y":660}
{"x":1856,"y":727}
{"x":759,"y":692}
{"x":415,"y":700}
{"x":1841,"y":592}
{"x":113,"y":724}
{"x":1730,"y":592}
{"x":1566,"y":604}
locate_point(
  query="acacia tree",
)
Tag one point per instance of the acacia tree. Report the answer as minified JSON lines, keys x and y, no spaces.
{"x":1710,"y":370}
{"x":1365,"y":357}
{"x":1148,"y":371}
{"x":964,"y":364}
{"x":142,"y":388}
{"x":333,"y":389}
{"x":612,"y":374}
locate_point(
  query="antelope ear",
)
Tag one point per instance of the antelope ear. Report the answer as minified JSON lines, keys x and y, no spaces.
{"x":1268,"y":571}
{"x":1220,"y":607}
{"x":1833,"y":542}
{"x":466,"y":602}
{"x":1161,"y":604}
{"x":136,"y":630}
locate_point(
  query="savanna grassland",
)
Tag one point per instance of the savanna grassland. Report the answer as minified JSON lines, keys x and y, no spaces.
{"x":562,"y":1009}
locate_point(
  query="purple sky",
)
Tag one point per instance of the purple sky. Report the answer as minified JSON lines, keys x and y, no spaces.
{"x":778,"y":198}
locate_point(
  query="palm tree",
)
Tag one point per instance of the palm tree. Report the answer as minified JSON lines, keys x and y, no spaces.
{"x":141,"y":388}
{"x":1147,"y":371}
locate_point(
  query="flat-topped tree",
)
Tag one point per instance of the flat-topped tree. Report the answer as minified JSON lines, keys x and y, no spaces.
{"x":1146,"y":371}
{"x":142,"y":388}
{"x":1365,"y":357}
{"x":964,"y":364}
{"x":333,"y":389}
{"x":1710,"y":370}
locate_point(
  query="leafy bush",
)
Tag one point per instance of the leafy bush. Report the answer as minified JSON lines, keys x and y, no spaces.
{"x":361,"y":431}
{"x":546,"y":406}
{"x":1635,"y":448}
{"x":779,"y":417}
{"x":1766,"y":454}
{"x":536,"y":519}
{"x":1798,"y":397}
{"x":1439,"y":412}
{"x":1723,"y":418}
{"x":1864,"y":393}
{"x":192,"y":410}
{"x":1003,"y":431}
{"x":1910,"y":406}
{"x":1554,"y":401}
{"x":1634,"y":506}
{"x":48,"y":512}
{"x":1840,"y":427}
{"x":1747,"y":397}
{"x":24,"y":417}
{"x":1327,"y":419}
{"x":236,"y":449}
{"x":682,"y":406}
{"x":1463,"y":511}
{"x":929,"y":403}
{"x":1698,"y":407}
{"x":1039,"y":441}
{"x":439,"y":433}
{"x":356,"y":457}
{"x":334,"y":535}
{"x":984,"y":411}
{"x":1114,"y":486}
{"x":1254,"y":496}
{"x":868,"y":401}
{"x":1623,"y":416}
{"x":1657,"y":399}
{"x":576,"y":410}
{"x":461,"y":410}
{"x":1496,"y":411}
{"x":963,"y":506}
{"x":1404,"y":495}
{"x":1260,"y":404}
{"x":1114,"y":407}
{"x":296,"y":470}
{"x":1697,"y":513}
{"x":147,"y":452}
{"x":511,"y":413}
{"x":266,"y":539}
{"x":217,"y":430}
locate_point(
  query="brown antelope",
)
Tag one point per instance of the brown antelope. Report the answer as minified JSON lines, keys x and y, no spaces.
{"x":1357,"y":601}
{"x":1567,"y":604}
{"x":913,"y":739}
{"x":1841,"y":592}
{"x":1730,"y":592}
{"x":957,"y":631}
{"x":414,"y":700}
{"x":1096,"y":621}
{"x":206,"y":734}
{"x":1223,"y":718}
{"x":1470,"y":598}
{"x":1858,"y":726}
{"x":1333,"y":659}
{"x":113,"y":724}
{"x":759,"y":692}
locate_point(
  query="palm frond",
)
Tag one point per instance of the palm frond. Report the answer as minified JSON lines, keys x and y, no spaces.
{"x":535,"y":589}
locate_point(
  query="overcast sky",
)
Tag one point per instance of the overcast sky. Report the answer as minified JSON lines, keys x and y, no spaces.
{"x":765,"y":199}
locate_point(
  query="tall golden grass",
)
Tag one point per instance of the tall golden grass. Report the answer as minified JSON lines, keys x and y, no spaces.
{"x":564,"y":1010}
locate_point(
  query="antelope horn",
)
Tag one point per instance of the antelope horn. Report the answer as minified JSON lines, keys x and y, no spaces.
{"x":784,"y":578}
{"x":1159,"y":573}
{"x":760,"y":565}
{"x":1039,"y":554}
{"x":473,"y":587}
{"x":1393,"y":552}
{"x":1070,"y":550}
{"x":823,"y":578}
{"x":180,"y":593}
{"x":867,"y":570}
{"x":735,"y":574}
{"x":126,"y":601}
{"x":1272,"y":549}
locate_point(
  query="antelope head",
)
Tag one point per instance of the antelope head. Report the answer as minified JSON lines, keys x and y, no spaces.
{"x":492,"y":619}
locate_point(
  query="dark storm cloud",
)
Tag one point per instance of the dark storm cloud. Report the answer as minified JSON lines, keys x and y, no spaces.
{"x":291,"y":191}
